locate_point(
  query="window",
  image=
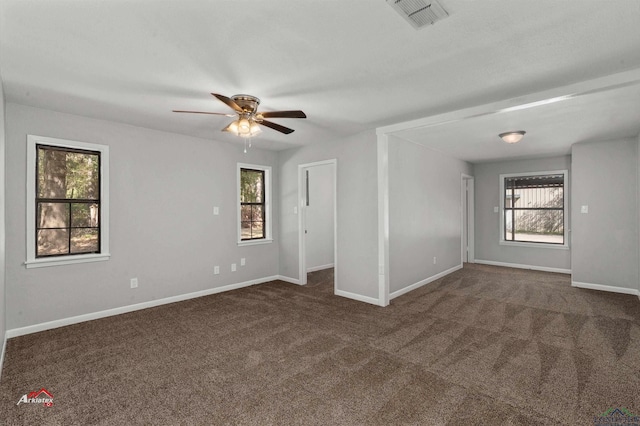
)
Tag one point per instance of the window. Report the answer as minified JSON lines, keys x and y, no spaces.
{"x":254,"y":221}
{"x":534,"y":209}
{"x":67,"y":213}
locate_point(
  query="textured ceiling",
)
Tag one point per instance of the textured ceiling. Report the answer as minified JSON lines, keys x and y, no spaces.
{"x":351,"y":65}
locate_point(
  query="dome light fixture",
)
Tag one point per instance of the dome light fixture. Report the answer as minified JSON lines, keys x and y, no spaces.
{"x":512,"y":137}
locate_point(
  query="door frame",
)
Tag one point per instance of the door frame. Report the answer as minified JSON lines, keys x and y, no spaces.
{"x":467,"y":222}
{"x":302,"y":253}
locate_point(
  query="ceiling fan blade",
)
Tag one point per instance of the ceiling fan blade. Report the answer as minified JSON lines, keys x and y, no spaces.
{"x":283,"y":114}
{"x":277,"y":127}
{"x":230,"y":102}
{"x":204,"y":112}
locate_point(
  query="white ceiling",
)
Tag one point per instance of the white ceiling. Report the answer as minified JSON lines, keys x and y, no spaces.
{"x":351,"y":65}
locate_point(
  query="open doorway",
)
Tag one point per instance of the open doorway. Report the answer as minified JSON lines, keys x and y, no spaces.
{"x":317,"y":223}
{"x":467,"y":227}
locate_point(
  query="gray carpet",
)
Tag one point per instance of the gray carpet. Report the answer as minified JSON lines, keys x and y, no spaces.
{"x":484,"y":345}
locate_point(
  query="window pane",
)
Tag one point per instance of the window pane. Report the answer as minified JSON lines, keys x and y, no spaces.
{"x":84,"y":215}
{"x":245,"y":230}
{"x":82,"y":177}
{"x":538,"y":197}
{"x":245,"y":213}
{"x":251,"y":186}
{"x":539,"y":226}
{"x":256,"y":213}
{"x":508,"y":225}
{"x":52,"y":241}
{"x":71,"y":175}
{"x":507,"y":198}
{"x":84,"y":240}
{"x":52,"y":172}
{"x":53,"y":215}
{"x":257,"y":230}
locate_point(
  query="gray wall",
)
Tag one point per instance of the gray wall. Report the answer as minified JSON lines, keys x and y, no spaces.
{"x":487,"y":223}
{"x":424,"y":213}
{"x":163,"y":188}
{"x":319,"y":217}
{"x":357,"y":219}
{"x":605,"y":240}
{"x":3,"y":323}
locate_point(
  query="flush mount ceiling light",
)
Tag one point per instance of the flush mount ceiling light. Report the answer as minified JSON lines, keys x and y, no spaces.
{"x":512,"y":137}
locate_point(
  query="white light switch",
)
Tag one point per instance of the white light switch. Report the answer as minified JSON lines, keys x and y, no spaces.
{"x":295,"y":210}
{"x":584,"y":209}
{"x":496,"y":209}
{"x":216,"y":211}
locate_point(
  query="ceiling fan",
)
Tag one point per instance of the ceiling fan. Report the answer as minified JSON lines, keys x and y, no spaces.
{"x":249,"y":118}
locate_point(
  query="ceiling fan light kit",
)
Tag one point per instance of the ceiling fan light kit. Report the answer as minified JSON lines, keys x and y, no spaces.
{"x":249,"y":119}
{"x":512,"y":137}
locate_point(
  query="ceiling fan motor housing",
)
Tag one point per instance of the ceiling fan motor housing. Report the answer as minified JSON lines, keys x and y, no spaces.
{"x":248,"y":103}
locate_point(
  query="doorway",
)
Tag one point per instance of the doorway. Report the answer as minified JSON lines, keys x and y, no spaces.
{"x":467,"y":227}
{"x":317,"y":221}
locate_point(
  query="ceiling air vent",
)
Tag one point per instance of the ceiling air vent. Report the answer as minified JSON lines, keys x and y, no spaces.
{"x":419,"y":13}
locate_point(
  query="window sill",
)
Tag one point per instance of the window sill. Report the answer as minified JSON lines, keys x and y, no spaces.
{"x":536,"y":245}
{"x":65,"y":260}
{"x":255,"y":242}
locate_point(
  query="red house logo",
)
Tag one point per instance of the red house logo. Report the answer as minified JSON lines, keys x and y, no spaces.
{"x":42,"y":396}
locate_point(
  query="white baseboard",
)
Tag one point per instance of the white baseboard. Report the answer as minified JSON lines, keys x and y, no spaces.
{"x":358,"y":297}
{"x":423,"y":282}
{"x":603,"y":287}
{"x":520,"y":266}
{"x":320,"y":268}
{"x":288,"y":279}
{"x":130,"y":308}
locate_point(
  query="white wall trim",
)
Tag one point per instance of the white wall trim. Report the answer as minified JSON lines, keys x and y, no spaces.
{"x":4,"y":348}
{"x":32,"y":161}
{"x":358,"y":297}
{"x":424,"y":282}
{"x":320,"y":268}
{"x":467,"y":211}
{"x":289,"y":280}
{"x":608,"y":288}
{"x":383,"y":218}
{"x":520,"y":266}
{"x":130,"y":308}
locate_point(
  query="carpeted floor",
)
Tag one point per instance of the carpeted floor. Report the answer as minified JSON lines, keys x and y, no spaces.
{"x":484,"y":345}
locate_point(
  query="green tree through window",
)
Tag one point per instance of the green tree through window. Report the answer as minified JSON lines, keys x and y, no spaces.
{"x":67,"y":201}
{"x":252,"y":204}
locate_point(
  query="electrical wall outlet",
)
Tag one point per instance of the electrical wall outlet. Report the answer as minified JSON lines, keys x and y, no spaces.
{"x":216,"y":211}
{"x":243,"y":261}
{"x":233,"y":267}
{"x":134,"y":283}
{"x":216,"y":270}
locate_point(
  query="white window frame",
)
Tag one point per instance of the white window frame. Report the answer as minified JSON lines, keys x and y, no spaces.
{"x":268,"y":238}
{"x":566,"y":218}
{"x":32,"y":261}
